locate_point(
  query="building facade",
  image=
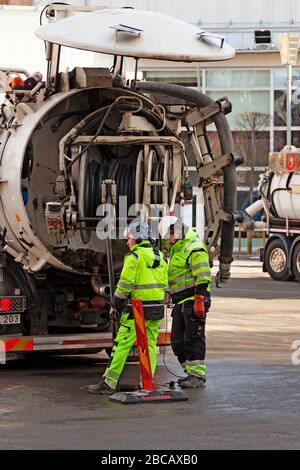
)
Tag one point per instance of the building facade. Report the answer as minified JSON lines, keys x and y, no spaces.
{"x":258,"y":92}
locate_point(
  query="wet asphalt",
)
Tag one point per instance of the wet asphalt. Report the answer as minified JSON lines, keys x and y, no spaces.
{"x":251,"y":401}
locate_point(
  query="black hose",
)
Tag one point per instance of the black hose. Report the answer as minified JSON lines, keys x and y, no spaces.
{"x":281,"y":222}
{"x":98,"y":132}
{"x":122,"y":172}
{"x":271,"y":176}
{"x":226,"y":144}
{"x":288,"y":180}
{"x":287,"y":188}
{"x":90,"y":120}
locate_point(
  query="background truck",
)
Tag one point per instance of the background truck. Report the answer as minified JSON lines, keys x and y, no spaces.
{"x":74,"y":146}
{"x":279,"y":190}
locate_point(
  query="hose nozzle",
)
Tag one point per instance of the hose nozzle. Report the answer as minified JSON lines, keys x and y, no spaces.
{"x":223,"y":274}
{"x":101,"y":289}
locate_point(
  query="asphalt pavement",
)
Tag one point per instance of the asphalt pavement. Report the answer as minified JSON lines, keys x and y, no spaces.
{"x":251,"y":401}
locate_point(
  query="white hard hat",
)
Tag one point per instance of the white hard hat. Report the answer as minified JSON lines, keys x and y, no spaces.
{"x":139,"y":230}
{"x":165,"y":224}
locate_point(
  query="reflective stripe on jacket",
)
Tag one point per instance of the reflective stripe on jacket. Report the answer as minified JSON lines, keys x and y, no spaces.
{"x":144,"y":276}
{"x":189,"y":270}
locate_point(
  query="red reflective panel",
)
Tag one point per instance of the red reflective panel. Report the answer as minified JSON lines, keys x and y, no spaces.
{"x":5,"y":305}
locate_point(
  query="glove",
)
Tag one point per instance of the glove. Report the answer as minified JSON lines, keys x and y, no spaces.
{"x":118,"y":304}
{"x":199,"y":309}
{"x":114,"y":314}
{"x":168,"y":298}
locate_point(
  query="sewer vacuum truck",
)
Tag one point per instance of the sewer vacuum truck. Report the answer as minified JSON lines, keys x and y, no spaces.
{"x":75,"y":146}
{"x":279,"y":190}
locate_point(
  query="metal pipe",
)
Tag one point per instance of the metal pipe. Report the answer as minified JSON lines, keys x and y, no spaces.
{"x":110,"y":264}
{"x":254,"y":208}
{"x":289,"y":106}
{"x":101,"y":289}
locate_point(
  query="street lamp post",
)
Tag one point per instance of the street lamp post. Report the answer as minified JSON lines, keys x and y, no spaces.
{"x":289,"y":105}
{"x":288,"y":45}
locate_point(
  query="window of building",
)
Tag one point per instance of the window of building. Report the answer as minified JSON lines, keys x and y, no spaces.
{"x":249,"y":92}
{"x":255,"y":148}
{"x":237,"y":79}
{"x":280,"y":77}
{"x":244,"y":101}
{"x":178,"y":77}
{"x":296,"y":110}
{"x":280,"y":139}
{"x":296,"y":138}
{"x":279,"y":108}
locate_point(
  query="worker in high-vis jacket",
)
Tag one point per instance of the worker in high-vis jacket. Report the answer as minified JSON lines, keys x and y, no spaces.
{"x":144,"y":276}
{"x":189,"y":282}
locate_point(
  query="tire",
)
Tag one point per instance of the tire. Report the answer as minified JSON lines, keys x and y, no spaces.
{"x":276,"y":261}
{"x":296,"y":262}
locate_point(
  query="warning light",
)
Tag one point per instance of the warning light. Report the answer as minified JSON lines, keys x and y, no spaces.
{"x":7,"y":304}
{"x":284,"y":162}
{"x":17,"y":82}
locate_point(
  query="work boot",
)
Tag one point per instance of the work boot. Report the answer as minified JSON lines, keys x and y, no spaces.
{"x":193,"y":381}
{"x":182,"y":379}
{"x":101,"y":388}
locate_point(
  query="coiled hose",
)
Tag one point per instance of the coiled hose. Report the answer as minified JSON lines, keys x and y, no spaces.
{"x":124,"y":175}
{"x":97,"y":172}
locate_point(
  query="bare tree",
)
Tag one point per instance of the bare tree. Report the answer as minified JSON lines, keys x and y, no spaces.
{"x":252,"y":122}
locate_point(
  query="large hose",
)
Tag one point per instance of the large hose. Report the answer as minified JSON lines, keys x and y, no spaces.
{"x":226,"y":144}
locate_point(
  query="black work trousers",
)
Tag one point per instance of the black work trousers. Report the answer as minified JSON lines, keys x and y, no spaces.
{"x":188,"y":333}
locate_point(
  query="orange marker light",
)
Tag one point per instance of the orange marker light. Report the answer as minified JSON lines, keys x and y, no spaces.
{"x":17,"y":82}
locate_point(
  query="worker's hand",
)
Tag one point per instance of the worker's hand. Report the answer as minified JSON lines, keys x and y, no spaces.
{"x":199,"y":308}
{"x":114,"y":314}
{"x":118,"y":304}
{"x":168,"y":298}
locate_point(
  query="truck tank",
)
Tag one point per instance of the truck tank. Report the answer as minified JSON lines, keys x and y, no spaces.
{"x":80,"y":148}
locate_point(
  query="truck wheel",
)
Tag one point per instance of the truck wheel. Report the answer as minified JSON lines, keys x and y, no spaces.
{"x":276,"y":261}
{"x":296,"y":262}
